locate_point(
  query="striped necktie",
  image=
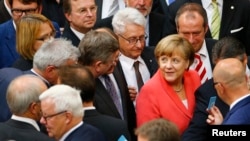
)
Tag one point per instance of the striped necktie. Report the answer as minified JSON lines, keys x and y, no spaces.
{"x":200,"y":68}
{"x":215,"y":24}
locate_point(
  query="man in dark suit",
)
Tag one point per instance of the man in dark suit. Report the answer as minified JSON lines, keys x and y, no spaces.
{"x":227,"y":47}
{"x":234,"y":19}
{"x":5,"y":12}
{"x":113,"y":128}
{"x":132,"y":47}
{"x":99,"y":53}
{"x":155,"y":30}
{"x":62,"y":115}
{"x":23,"y":101}
{"x":192,"y":24}
{"x":81,"y":17}
{"x":8,"y":53}
{"x":45,"y":65}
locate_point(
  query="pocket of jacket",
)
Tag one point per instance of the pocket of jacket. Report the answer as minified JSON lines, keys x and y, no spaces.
{"x":236,"y":30}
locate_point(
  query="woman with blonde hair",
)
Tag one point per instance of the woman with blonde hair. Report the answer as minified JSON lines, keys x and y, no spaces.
{"x":32,"y":30}
{"x":169,"y":93}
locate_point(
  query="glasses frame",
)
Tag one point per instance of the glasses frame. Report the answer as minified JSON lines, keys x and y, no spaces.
{"x":53,"y":115}
{"x":134,"y":40}
{"x":19,"y":12}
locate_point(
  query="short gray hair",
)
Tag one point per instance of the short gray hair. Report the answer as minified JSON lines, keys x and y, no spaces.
{"x":65,"y":98}
{"x":56,"y":53}
{"x":127,"y":16}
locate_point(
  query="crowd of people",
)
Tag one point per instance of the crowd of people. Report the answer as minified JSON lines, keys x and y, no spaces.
{"x":122,"y":70}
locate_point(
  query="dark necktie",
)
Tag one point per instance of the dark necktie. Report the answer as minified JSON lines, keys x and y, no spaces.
{"x":138,"y":75}
{"x":111,"y":89}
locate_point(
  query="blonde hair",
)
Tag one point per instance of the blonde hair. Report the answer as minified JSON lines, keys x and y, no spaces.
{"x":175,"y":43}
{"x":27,"y":31}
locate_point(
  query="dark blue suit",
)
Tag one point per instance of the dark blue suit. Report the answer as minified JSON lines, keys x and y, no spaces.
{"x":6,"y":76}
{"x":239,"y":114}
{"x":112,"y":127}
{"x":8,"y":53}
{"x":86,"y":132}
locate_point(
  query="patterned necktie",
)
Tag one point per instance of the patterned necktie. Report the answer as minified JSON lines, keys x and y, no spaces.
{"x":215,"y":24}
{"x":138,"y":75}
{"x":112,"y":91}
{"x":200,"y":68}
{"x":114,"y":7}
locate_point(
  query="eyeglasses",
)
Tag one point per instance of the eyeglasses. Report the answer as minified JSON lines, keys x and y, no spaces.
{"x":47,"y":37}
{"x":19,"y":12}
{"x":134,"y":40}
{"x":84,"y":11}
{"x":50,"y":116}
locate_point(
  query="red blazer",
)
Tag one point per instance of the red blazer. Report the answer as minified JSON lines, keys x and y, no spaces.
{"x":158,"y":100}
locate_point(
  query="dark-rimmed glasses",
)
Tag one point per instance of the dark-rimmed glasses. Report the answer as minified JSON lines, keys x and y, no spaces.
{"x":50,"y":116}
{"x":19,"y":12}
{"x":134,"y":40}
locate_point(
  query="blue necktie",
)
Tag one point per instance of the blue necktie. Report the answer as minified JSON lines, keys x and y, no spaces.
{"x":170,"y":1}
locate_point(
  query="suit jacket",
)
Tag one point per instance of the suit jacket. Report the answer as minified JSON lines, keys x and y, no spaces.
{"x":105,"y":105}
{"x":86,"y":132}
{"x":4,"y":14}
{"x":158,"y":100}
{"x":197,"y":129}
{"x":239,"y":114}
{"x":112,"y":127}
{"x":23,"y":64}
{"x":148,"y":56}
{"x":21,"y":131}
{"x":157,"y":30}
{"x":210,"y":44}
{"x":235,"y":20}
{"x":8,"y":53}
{"x":6,"y":76}
{"x":70,"y":35}
{"x":99,"y":9}
{"x":160,"y":6}
{"x":54,"y":11}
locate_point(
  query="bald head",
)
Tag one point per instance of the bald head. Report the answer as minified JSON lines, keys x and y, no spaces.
{"x":230,"y":72}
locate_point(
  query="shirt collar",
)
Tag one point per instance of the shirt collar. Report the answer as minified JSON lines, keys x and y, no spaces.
{"x":77,"y":33}
{"x":130,"y":61}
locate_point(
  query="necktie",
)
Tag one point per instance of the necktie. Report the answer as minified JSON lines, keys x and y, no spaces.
{"x":114,"y":7}
{"x":200,"y":68}
{"x":170,"y":1}
{"x":138,"y":75}
{"x":111,"y":89}
{"x":215,"y":24}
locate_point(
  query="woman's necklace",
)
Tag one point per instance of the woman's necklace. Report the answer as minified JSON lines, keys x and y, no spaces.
{"x":179,"y":89}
